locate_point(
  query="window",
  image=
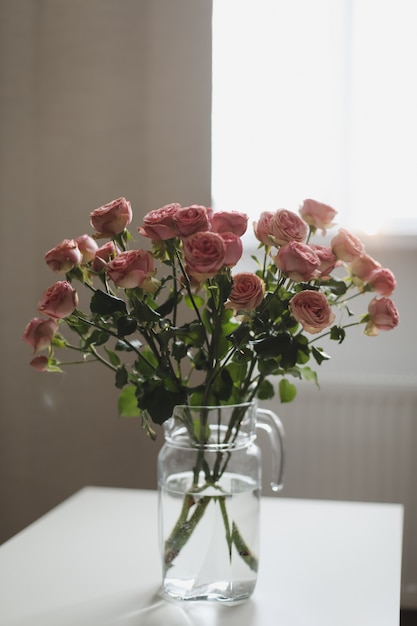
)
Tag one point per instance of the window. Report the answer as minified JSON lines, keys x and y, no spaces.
{"x":317,"y":99}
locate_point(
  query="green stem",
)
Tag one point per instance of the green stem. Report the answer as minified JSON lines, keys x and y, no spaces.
{"x":243,"y":549}
{"x":184,"y":527}
{"x":190,"y":293}
{"x":329,"y":332}
{"x":229,"y":537}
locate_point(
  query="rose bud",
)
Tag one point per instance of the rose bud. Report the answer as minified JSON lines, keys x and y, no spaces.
{"x":327,"y":259}
{"x":234,"y":248}
{"x":317,"y":215}
{"x":39,"y":333}
{"x":87,"y":246}
{"x":382,"y":280}
{"x":59,"y":300}
{"x":363,"y":266}
{"x":64,"y":256}
{"x":131,"y":269}
{"x":298,"y":261}
{"x":383,"y":315}
{"x":103,"y":255}
{"x":229,"y":222}
{"x":262,"y":228}
{"x":312,"y":311}
{"x":191,"y":219}
{"x":111,"y":219}
{"x":287,"y":226}
{"x":204,"y":254}
{"x":346,"y":246}
{"x":158,"y":225}
{"x":247,"y":292}
{"x":40,"y":363}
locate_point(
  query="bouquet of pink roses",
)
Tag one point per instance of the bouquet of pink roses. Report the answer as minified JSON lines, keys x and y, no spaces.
{"x":177,"y":325}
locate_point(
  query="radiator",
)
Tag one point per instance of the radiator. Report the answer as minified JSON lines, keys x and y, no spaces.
{"x":355,"y":441}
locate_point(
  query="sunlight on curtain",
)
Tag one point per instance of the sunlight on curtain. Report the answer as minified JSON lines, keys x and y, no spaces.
{"x":316,"y":99}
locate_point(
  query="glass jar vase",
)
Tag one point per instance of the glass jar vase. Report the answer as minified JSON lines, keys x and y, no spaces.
{"x":209,"y":481}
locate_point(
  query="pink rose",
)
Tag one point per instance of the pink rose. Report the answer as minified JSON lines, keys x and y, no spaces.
{"x":131,"y":269}
{"x":383,"y":315}
{"x":191,"y":219}
{"x":40,"y":363}
{"x":247,"y":292}
{"x":87,"y":246}
{"x":158,"y":225}
{"x":363,"y":266}
{"x":64,"y":256}
{"x":59,"y":300}
{"x":298,"y":261}
{"x":287,"y":226}
{"x":346,"y":246}
{"x":312,"y":311}
{"x":234,"y":248}
{"x":112,"y":218}
{"x":103,"y":255}
{"x":327,"y":259}
{"x":229,"y":222}
{"x":39,"y":333}
{"x":317,"y":214}
{"x":262,"y":228}
{"x":382,"y":280}
{"x":204,"y":254}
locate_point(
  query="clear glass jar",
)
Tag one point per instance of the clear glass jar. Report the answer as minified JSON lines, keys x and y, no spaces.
{"x":209,"y":479}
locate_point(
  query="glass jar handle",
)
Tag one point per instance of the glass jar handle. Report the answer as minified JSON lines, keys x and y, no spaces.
{"x":272,"y":425}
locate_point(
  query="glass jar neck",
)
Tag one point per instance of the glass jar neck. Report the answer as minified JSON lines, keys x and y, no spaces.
{"x":212,"y":427}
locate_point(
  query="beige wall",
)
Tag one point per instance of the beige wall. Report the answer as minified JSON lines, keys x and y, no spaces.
{"x":99,"y":98}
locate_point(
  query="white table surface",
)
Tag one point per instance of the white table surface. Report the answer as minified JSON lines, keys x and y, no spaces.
{"x":94,"y":560}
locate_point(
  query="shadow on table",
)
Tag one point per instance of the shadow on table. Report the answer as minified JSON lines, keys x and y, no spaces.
{"x":146,"y":608}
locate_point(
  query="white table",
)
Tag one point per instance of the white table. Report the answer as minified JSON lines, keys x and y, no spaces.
{"x":94,"y":560}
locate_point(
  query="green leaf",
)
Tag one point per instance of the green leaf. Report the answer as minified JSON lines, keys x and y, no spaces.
{"x":287,"y":391}
{"x":76,"y":324}
{"x":337,"y":287}
{"x":179,"y":350}
{"x":167,"y":307}
{"x":309,"y":374}
{"x":145,"y":314}
{"x":198,"y":301}
{"x":282,"y":347}
{"x":126,"y":326}
{"x":319,"y":355}
{"x":237,"y":370}
{"x":268,"y":367}
{"x":114,"y":359}
{"x":123,"y":346}
{"x":242,"y":355}
{"x":200,"y":360}
{"x":127,"y":403}
{"x":337,"y":333}
{"x":146,"y":366}
{"x":223,"y":385}
{"x":104,"y":304}
{"x":240,"y":335}
{"x":158,"y":401}
{"x":121,"y":377}
{"x":77,"y":273}
{"x":265,"y":390}
{"x":97,"y":338}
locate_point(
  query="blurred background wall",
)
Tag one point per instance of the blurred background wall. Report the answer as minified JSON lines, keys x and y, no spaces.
{"x":99,"y":99}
